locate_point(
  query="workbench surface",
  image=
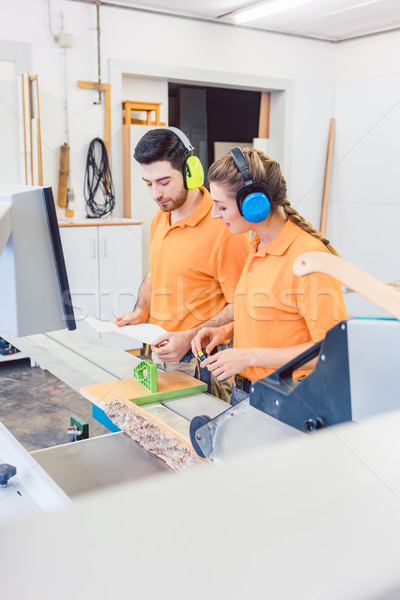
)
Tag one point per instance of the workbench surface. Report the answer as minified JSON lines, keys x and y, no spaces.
{"x":79,"y":359}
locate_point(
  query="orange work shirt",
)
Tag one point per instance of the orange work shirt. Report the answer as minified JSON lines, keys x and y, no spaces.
{"x":274,"y":308}
{"x":195,"y":265}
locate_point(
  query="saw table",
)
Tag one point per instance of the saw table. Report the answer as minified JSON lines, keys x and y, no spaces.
{"x":81,"y":360}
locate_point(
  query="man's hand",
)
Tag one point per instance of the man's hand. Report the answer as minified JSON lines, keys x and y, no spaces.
{"x":228,"y":362}
{"x":172,"y":347}
{"x":133,"y":318}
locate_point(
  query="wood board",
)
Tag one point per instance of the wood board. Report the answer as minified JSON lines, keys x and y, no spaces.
{"x":173,"y":384}
{"x":327,"y":182}
{"x":152,"y":434}
{"x":352,"y":277}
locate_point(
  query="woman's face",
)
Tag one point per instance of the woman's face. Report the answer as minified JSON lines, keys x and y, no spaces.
{"x":225,"y":208}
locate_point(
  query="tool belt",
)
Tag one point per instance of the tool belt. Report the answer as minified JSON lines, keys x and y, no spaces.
{"x":242,"y":384}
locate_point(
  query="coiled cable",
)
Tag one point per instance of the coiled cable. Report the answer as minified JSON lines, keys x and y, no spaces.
{"x":98,"y":182}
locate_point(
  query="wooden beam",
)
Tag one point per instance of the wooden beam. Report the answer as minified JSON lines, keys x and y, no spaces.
{"x":263,"y":123}
{"x":143,"y":122}
{"x":352,"y":277}
{"x":30,"y":127}
{"x":153,"y":434}
{"x":328,"y":169}
{"x":93,"y":85}
{"x":62,"y":199}
{"x":35,"y":78}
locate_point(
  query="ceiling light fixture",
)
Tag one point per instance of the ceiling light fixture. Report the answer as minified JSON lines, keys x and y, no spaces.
{"x":259,"y":11}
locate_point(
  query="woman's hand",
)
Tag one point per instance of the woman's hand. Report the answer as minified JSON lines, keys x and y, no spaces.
{"x":228,"y":362}
{"x":209,"y":337}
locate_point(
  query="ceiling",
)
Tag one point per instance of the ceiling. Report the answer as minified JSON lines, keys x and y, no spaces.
{"x":330,"y":20}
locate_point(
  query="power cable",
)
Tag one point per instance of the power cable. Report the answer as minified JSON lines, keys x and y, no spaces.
{"x":98,"y":181}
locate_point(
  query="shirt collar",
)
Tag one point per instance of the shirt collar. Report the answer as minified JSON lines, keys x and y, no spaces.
{"x":281,"y":243}
{"x":201,"y":211}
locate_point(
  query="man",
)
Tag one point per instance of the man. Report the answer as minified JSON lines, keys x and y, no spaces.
{"x":195,"y":262}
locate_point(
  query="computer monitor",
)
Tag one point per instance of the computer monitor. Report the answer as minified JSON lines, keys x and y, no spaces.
{"x":34,"y":289}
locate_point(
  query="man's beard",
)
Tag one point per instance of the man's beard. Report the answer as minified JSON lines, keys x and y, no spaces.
{"x":176,"y":202}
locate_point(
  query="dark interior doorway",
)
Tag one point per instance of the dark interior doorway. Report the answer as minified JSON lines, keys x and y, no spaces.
{"x":208,"y":115}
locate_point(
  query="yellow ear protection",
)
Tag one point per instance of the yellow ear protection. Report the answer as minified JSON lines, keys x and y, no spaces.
{"x":252,"y":198}
{"x":193,"y":174}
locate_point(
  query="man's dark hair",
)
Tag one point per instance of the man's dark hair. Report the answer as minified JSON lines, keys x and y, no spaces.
{"x":161,"y":144}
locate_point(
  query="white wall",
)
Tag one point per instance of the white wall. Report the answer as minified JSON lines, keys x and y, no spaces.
{"x":356,"y":82}
{"x":156,"y":40}
{"x":364,"y":209}
{"x":313,"y":110}
{"x":9,"y":126}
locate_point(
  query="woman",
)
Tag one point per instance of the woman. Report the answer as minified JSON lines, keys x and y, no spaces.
{"x":277,"y":314}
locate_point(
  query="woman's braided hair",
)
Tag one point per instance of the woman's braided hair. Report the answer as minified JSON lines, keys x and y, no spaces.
{"x":265,"y":169}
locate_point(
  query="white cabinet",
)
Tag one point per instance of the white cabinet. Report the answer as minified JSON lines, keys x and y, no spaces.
{"x":104,"y":267}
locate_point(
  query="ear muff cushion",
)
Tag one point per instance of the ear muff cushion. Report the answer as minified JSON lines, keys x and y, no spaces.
{"x":193,"y":173}
{"x":255,"y":207}
{"x":253,"y":201}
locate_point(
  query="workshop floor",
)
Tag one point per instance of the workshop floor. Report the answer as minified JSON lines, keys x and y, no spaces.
{"x":36,"y":407}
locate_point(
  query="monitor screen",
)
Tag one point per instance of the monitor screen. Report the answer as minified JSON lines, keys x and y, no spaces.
{"x":34,"y":290}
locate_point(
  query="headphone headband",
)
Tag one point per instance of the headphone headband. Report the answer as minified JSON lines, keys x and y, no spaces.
{"x":183,"y":138}
{"x":240,"y":161}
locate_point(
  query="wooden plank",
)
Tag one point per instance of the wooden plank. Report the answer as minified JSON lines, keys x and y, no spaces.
{"x":327,"y":183}
{"x":107,"y":121}
{"x":263,"y":123}
{"x":156,"y":437}
{"x":39,"y":151}
{"x":63,"y":176}
{"x":142,"y":104}
{"x":29,"y":103}
{"x":173,"y":384}
{"x":352,"y":277}
{"x":26,"y":127}
{"x":93,"y":85}
{"x":35,"y":157}
{"x":34,"y":82}
{"x":142,"y":122}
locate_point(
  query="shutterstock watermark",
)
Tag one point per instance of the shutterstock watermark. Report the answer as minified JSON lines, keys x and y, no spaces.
{"x":262,"y":304}
{"x":310,"y":302}
{"x":105,"y":305}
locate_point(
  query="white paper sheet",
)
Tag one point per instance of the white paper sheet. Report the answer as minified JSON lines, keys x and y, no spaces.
{"x":145,"y":332}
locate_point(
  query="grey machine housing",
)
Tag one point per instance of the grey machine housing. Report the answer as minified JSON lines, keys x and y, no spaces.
{"x":356,"y":377}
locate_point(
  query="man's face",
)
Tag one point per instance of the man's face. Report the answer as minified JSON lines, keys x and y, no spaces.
{"x":165,"y":184}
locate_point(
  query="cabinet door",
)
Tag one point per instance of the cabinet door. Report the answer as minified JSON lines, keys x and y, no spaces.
{"x":80,"y":245}
{"x":120,"y":261}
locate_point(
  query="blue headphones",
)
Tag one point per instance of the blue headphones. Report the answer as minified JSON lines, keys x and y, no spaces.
{"x":252,"y":198}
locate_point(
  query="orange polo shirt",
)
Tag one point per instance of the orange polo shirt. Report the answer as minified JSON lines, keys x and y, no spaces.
{"x":274,"y":308}
{"x":195,"y":266}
